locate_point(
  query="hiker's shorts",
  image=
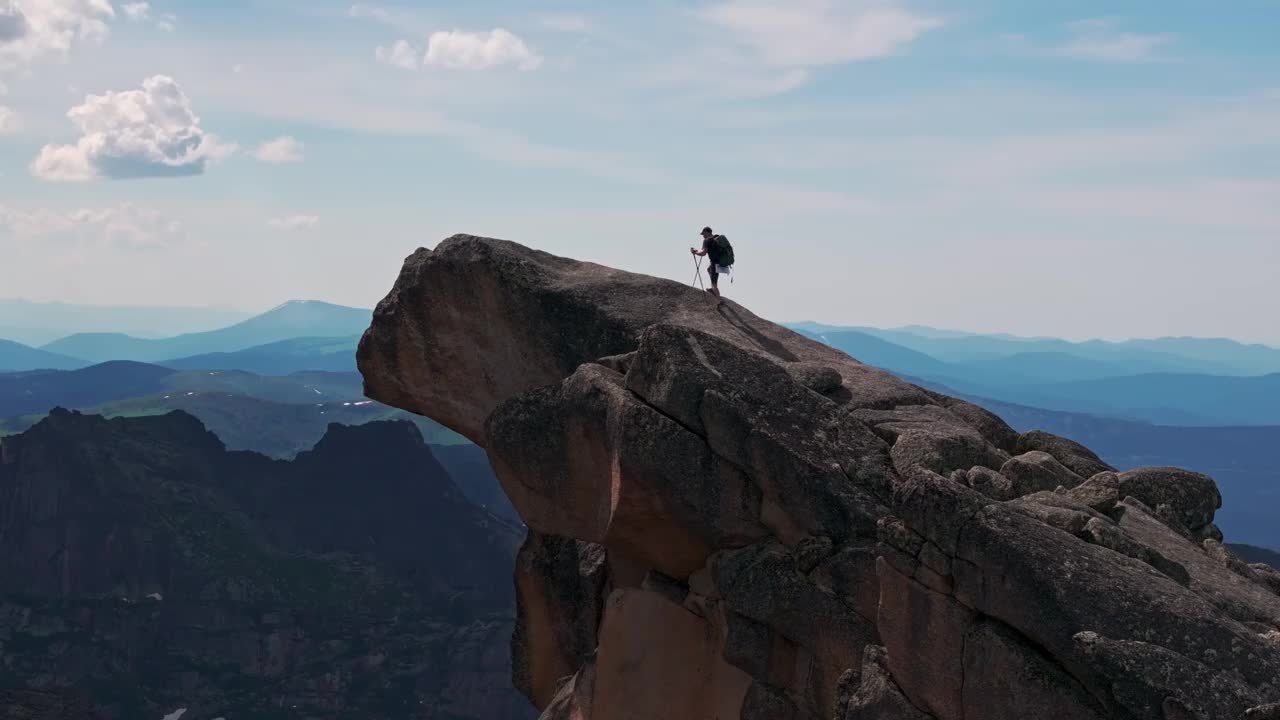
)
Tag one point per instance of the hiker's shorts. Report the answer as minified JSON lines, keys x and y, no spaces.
{"x":715,"y":271}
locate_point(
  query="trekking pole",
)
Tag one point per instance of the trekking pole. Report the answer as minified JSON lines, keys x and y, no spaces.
{"x":697,"y":273}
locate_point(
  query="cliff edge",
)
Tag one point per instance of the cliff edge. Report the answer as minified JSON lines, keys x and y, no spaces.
{"x":729,"y":520}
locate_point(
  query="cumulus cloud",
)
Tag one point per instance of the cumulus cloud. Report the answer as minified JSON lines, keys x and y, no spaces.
{"x":151,"y":132}
{"x":1100,"y":39}
{"x":124,"y":226}
{"x":34,"y":29}
{"x":282,"y":150}
{"x":457,"y":49}
{"x":294,"y":222}
{"x":401,"y":54}
{"x":807,"y":33}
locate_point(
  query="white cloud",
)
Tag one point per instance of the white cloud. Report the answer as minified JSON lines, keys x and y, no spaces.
{"x":125,"y":226}
{"x":401,"y":54}
{"x":216,"y":150}
{"x":1099,"y":39}
{"x":280,"y":151}
{"x":805,"y":33}
{"x":8,"y":120}
{"x":294,"y":222}
{"x":33,"y":29}
{"x":141,"y":12}
{"x":151,"y":132}
{"x":479,"y":50}
{"x":137,"y":11}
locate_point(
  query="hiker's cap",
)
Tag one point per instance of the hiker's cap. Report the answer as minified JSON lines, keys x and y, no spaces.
{"x":706,"y":231}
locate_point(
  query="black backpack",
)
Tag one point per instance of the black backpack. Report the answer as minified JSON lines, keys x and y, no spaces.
{"x":720,"y":251}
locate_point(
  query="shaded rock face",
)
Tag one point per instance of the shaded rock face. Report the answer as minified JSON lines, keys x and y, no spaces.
{"x":744,"y":523}
{"x":144,"y":569}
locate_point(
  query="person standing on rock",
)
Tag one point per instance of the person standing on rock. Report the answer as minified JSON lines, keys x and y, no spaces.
{"x":721,"y":254}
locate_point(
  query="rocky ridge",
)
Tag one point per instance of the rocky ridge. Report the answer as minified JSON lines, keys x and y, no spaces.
{"x":144,"y":569}
{"x":728,"y":520}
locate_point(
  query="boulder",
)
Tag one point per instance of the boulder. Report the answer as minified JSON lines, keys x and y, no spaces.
{"x":792,"y":534}
{"x":992,"y":484}
{"x":1075,"y":457}
{"x":995,"y":430}
{"x":1191,"y":498}
{"x":476,"y":321}
{"x":1037,"y":471}
{"x":1100,"y":492}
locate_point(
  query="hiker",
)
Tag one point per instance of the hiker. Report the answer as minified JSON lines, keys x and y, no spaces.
{"x":721,"y":255}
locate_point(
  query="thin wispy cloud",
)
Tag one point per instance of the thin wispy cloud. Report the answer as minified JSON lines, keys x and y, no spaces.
{"x":282,"y":150}
{"x":137,"y":11}
{"x":8,"y":120}
{"x":809,"y":33}
{"x":369,"y":12}
{"x":294,"y":222}
{"x":150,"y":132}
{"x":401,"y":54}
{"x":1101,"y":39}
{"x":125,"y":226}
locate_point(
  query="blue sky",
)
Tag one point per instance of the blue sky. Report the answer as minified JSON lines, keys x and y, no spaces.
{"x":1085,"y":169}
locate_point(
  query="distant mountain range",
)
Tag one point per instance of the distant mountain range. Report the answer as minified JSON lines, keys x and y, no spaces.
{"x":1210,"y":356}
{"x":1168,"y":382}
{"x":38,"y":323}
{"x":1252,"y":554}
{"x":278,"y":398}
{"x":278,"y":416}
{"x":16,"y":357}
{"x":37,"y":392}
{"x":336,"y":354}
{"x":293,"y":320}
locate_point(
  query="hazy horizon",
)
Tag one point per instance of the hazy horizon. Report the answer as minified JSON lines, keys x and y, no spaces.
{"x":252,"y":312}
{"x":1103,"y":170}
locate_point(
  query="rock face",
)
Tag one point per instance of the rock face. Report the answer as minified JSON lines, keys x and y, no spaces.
{"x":729,"y":520}
{"x":145,"y":569}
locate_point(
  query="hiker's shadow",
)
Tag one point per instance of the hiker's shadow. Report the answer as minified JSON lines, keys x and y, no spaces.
{"x":768,"y":344}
